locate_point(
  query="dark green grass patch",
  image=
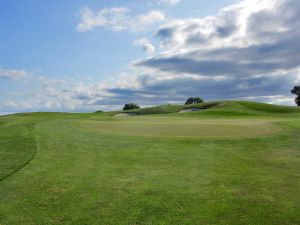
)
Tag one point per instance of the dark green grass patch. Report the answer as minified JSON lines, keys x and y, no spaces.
{"x":17,"y":147}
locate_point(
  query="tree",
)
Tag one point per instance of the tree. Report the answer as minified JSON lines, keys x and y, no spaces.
{"x":296,"y":91}
{"x":297,"y":101}
{"x":130,"y":106}
{"x":193,"y":100}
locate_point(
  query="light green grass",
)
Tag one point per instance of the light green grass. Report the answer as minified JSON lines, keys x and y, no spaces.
{"x":205,"y":167}
{"x":182,"y":127}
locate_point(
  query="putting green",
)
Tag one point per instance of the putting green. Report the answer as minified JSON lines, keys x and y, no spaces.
{"x":182,"y":127}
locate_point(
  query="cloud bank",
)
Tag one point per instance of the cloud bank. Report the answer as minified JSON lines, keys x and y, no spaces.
{"x":248,"y":50}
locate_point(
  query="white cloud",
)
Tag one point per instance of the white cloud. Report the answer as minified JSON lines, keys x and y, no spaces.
{"x":146,"y":20}
{"x":169,"y":2}
{"x":117,"y":19}
{"x":233,"y":26}
{"x":107,"y":17}
{"x":146,"y":45}
{"x":251,"y":45}
{"x":13,"y":74}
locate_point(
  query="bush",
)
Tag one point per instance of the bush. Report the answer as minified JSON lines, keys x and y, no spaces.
{"x":297,"y":101}
{"x":130,"y":106}
{"x":296,"y":91}
{"x":193,"y":100}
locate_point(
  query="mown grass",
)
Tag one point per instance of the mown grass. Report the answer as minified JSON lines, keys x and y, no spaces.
{"x":18,"y":147}
{"x":182,"y":127}
{"x":96,"y":169}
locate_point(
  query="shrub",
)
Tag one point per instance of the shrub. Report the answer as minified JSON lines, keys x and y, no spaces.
{"x":130,"y":106}
{"x":193,"y":100}
{"x":297,"y":101}
{"x":296,"y":91}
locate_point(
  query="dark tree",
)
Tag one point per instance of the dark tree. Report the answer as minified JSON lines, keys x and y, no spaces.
{"x":296,"y":91}
{"x":130,"y":106}
{"x":189,"y":101}
{"x":297,"y":100}
{"x":193,"y":100}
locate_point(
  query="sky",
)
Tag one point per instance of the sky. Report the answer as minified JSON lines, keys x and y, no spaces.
{"x":87,"y":55}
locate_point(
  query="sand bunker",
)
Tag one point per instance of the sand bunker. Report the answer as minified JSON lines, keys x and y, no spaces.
{"x":189,"y":110}
{"x":125,"y":114}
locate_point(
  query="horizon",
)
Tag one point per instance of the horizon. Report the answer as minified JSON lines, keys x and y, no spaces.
{"x":84,"y":56}
{"x":141,"y":107}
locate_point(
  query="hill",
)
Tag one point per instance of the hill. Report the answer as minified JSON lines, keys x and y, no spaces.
{"x":218,"y":108}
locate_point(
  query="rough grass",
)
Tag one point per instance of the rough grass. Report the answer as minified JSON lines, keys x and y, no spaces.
{"x":164,"y":109}
{"x":93,"y":169}
{"x":221,"y":108}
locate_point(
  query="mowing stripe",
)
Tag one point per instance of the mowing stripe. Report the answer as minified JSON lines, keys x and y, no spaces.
{"x":25,"y":163}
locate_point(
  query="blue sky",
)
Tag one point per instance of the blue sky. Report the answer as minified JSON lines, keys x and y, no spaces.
{"x":82,"y":55}
{"x":41,"y":35}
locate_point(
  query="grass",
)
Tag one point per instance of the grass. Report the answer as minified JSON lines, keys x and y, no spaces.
{"x":219,"y":108}
{"x":164,"y":109}
{"x":234,"y":163}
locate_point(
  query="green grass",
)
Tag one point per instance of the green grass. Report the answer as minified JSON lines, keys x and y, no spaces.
{"x":233,"y":163}
{"x":164,"y":109}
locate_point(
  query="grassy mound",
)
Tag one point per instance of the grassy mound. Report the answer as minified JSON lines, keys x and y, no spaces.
{"x":243,"y":108}
{"x":270,"y":108}
{"x":220,"y":108}
{"x":164,"y":109}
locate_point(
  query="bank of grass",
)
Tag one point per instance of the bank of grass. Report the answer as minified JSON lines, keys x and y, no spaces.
{"x":98,"y":169}
{"x":165,"y":109}
{"x":218,"y":108}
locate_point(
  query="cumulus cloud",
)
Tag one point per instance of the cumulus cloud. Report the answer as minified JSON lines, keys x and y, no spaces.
{"x":117,"y":19}
{"x":167,"y":88}
{"x":107,"y":17}
{"x":249,"y":50}
{"x":67,"y":94}
{"x":169,"y":2}
{"x":146,"y":45}
{"x":244,"y":24}
{"x":13,"y":74}
{"x":252,"y":45}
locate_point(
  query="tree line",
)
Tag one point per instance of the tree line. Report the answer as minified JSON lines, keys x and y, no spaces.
{"x":189,"y":101}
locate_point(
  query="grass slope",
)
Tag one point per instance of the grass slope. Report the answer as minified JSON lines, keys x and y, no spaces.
{"x":221,"y":108}
{"x":164,"y":109}
{"x":204,"y":167}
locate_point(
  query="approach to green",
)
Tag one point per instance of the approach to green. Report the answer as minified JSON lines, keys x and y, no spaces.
{"x":217,"y":163}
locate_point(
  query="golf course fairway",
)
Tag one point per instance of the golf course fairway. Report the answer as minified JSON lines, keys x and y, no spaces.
{"x":230,"y":163}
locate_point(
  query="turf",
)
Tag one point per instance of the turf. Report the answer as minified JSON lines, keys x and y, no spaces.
{"x":219,"y":108}
{"x":233,"y":163}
